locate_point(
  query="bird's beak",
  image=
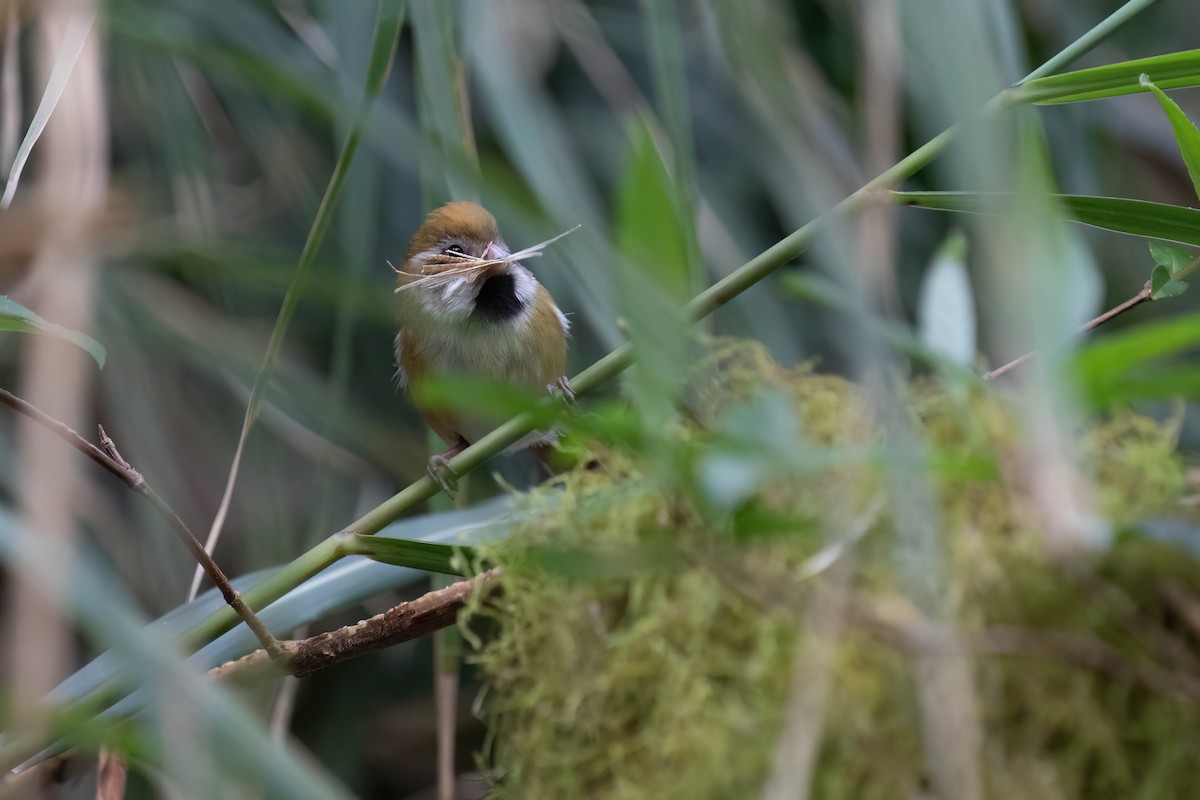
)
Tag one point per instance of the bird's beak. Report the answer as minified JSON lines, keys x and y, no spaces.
{"x":496,"y":252}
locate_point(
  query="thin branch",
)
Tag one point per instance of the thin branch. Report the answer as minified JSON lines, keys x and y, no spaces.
{"x":411,"y":620}
{"x":110,"y":459}
{"x":1141,"y":297}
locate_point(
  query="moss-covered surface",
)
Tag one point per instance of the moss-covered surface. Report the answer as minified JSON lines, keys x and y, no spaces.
{"x":647,"y":640}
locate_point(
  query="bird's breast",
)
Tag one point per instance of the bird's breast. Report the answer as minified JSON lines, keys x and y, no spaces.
{"x":499,"y":352}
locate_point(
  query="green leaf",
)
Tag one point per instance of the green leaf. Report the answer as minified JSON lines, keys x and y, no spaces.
{"x":491,"y":400}
{"x":649,"y":232}
{"x":1115,"y":368}
{"x":1159,"y":277}
{"x":444,"y":558}
{"x":442,"y":106}
{"x":383,"y":45}
{"x":1162,"y":286}
{"x":1169,"y":71}
{"x":1186,"y":133}
{"x":1170,"y":257}
{"x":653,"y":277}
{"x":1170,"y":289}
{"x":1136,"y":217}
{"x":18,"y":318}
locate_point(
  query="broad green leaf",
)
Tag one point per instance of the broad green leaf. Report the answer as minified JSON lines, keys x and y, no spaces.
{"x":1137,"y":217}
{"x":1159,"y":277}
{"x":444,"y":558}
{"x":1162,"y":286}
{"x":649,"y":232}
{"x":1109,"y":368}
{"x":1170,"y":289}
{"x":16,"y":317}
{"x":487,"y":399}
{"x":1171,"y":258}
{"x":653,"y":277}
{"x":668,"y":61}
{"x":442,"y":105}
{"x":1165,"y":382}
{"x":1186,"y":133}
{"x":1169,"y":71}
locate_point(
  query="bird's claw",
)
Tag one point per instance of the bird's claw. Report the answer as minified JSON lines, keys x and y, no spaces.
{"x":443,"y":474}
{"x":562,"y":388}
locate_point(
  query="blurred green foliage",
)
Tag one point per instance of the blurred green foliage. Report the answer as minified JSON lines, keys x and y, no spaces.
{"x":674,"y":645}
{"x":685,"y":137}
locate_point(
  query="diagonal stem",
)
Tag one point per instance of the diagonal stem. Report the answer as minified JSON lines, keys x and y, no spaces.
{"x":110,"y":459}
{"x":1144,"y":296}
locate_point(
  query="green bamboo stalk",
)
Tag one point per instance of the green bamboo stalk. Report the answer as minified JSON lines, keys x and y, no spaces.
{"x":1110,"y":25}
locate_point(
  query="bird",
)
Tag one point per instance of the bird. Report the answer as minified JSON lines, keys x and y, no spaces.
{"x":469,"y":308}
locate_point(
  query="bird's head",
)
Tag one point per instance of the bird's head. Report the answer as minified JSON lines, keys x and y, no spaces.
{"x":457,"y":269}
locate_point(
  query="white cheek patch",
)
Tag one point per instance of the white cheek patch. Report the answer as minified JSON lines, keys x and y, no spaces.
{"x":524,"y":284}
{"x":451,"y":289}
{"x":451,"y":301}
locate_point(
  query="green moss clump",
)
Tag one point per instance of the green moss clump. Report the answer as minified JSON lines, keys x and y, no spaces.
{"x":646,"y":642}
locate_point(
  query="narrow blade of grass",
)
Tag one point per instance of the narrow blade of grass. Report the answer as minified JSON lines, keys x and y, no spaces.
{"x":1186,"y":133}
{"x":19,"y":319}
{"x":387,"y":32}
{"x":1168,"y":71}
{"x":77,"y":33}
{"x":428,"y":556}
{"x":1136,"y":217}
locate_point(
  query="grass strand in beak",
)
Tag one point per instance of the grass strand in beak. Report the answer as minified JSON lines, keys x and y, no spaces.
{"x":473,"y":263}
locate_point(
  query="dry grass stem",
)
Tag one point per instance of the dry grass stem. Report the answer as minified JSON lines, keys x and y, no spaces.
{"x":472,"y":264}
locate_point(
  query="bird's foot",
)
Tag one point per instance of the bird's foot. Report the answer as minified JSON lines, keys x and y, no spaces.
{"x":562,"y":388}
{"x":442,"y":473}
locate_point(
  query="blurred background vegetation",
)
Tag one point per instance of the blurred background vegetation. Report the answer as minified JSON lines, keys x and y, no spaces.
{"x":166,"y":208}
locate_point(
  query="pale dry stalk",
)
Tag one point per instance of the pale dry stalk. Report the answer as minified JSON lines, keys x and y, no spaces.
{"x":55,"y":375}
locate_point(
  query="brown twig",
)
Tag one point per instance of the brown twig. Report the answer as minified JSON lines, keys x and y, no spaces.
{"x":411,"y":620}
{"x":110,"y":459}
{"x":1141,"y":297}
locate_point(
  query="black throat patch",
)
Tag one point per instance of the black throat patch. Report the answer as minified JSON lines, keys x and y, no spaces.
{"x":497,"y":299}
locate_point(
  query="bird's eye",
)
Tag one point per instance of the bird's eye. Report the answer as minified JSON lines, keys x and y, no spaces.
{"x":454,"y":250}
